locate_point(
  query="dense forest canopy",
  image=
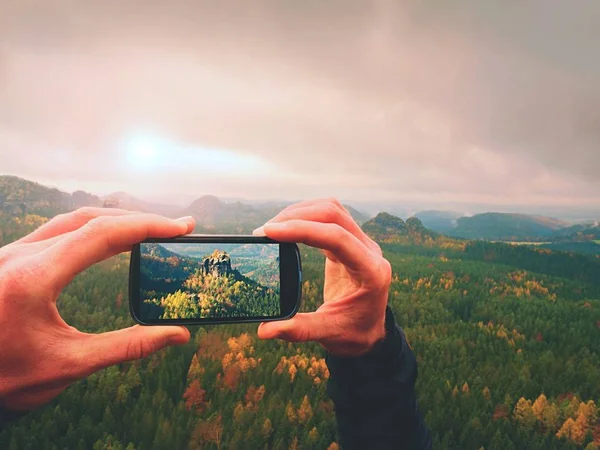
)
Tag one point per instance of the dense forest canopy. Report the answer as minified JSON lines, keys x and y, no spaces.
{"x":507,"y":340}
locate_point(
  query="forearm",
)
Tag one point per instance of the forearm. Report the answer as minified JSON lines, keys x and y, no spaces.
{"x":374,"y":396}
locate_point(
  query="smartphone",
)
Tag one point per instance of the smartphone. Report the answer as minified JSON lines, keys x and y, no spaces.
{"x":199,"y":279}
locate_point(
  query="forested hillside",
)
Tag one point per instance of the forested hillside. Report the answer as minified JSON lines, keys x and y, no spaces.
{"x":176,"y":287}
{"x":507,"y":339}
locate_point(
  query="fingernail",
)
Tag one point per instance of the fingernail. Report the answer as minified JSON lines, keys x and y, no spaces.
{"x":176,"y":339}
{"x":260,"y":231}
{"x":185,"y":219}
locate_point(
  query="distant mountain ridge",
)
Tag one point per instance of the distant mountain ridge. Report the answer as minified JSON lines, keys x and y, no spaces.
{"x":580,"y":232}
{"x":19,"y":197}
{"x":127,"y":201}
{"x":211,"y":214}
{"x":506,"y":227}
{"x":441,"y":221}
{"x":358,"y":216}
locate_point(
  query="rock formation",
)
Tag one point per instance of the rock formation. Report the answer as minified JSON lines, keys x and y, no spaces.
{"x":218,"y":264}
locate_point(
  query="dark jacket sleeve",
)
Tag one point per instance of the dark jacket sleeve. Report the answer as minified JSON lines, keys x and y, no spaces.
{"x":7,"y":416}
{"x":374,"y":396}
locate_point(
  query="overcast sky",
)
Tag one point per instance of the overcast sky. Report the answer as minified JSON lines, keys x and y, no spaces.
{"x":428,"y":102}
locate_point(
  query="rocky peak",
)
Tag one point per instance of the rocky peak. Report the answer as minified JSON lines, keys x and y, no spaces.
{"x":385,"y":222}
{"x":388,"y":228}
{"x":414,"y":223}
{"x":208,"y":202}
{"x":217,"y":264}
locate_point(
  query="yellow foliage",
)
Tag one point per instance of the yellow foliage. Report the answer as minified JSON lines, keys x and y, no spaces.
{"x":539,"y":406}
{"x":195,"y":369}
{"x":238,"y":412}
{"x":486,"y":393}
{"x":247,"y":364}
{"x":572,"y":408}
{"x":291,"y":412}
{"x":551,"y":416}
{"x":588,"y":410}
{"x":523,"y":413}
{"x":315,"y":368}
{"x":227,"y":360}
{"x":292,"y":371}
{"x":294,"y":445}
{"x":566,"y":431}
{"x":241,"y":343}
{"x":501,"y":332}
{"x":580,"y":429}
{"x":240,"y":347}
{"x":305,"y":411}
{"x":267,"y":428}
{"x":520,"y":286}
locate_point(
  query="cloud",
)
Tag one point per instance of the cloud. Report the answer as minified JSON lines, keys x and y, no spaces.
{"x":399,"y":100}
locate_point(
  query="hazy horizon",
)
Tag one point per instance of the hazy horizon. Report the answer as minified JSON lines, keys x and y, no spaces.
{"x":471,"y":106}
{"x":371,"y":208}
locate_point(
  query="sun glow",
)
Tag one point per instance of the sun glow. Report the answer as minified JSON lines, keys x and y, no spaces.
{"x":145,"y":151}
{"x":152,"y":153}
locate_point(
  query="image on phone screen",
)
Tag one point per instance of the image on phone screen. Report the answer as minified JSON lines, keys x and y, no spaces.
{"x":209,"y":280}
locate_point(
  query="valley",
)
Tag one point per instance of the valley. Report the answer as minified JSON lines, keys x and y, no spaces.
{"x":507,"y":338}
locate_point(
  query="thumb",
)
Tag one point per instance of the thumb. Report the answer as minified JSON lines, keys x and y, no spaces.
{"x":300,"y":328}
{"x":107,"y":349}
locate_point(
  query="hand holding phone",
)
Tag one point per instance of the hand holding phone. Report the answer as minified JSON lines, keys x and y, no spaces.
{"x":198,"y":279}
{"x":35,"y":339}
{"x":357,"y":278}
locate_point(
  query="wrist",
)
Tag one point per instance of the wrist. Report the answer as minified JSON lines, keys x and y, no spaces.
{"x":372,"y":340}
{"x":379,"y":362}
{"x":367,"y":342}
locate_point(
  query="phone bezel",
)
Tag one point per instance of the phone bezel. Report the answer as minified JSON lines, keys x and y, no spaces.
{"x":290,"y":294}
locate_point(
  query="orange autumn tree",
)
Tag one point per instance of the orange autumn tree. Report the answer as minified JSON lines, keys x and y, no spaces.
{"x":538,"y":407}
{"x":567,"y":430}
{"x":587,"y":416}
{"x":195,"y":397}
{"x":254,"y":395}
{"x":238,"y":360}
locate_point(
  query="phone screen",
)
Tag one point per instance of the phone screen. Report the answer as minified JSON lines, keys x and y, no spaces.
{"x":197,"y":280}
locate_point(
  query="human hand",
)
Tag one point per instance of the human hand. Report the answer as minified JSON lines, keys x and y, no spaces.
{"x":357,"y":278}
{"x":40,"y":354}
